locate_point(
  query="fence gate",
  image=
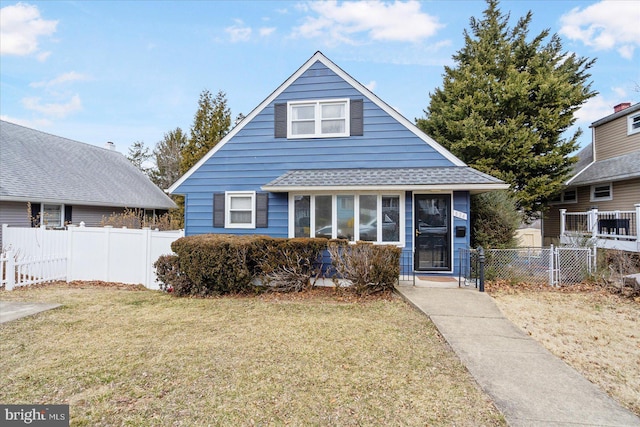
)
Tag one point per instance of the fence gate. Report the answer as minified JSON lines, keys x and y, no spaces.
{"x":554,"y":266}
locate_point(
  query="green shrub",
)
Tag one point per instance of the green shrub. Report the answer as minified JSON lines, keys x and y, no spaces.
{"x":288,"y":265}
{"x":370,"y":268}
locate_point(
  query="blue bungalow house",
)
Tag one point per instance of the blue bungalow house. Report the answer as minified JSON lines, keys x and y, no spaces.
{"x":323,"y":156}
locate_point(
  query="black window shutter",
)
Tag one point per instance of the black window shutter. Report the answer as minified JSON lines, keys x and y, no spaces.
{"x":356,"y":114}
{"x":280,"y":120}
{"x":218,"y":210}
{"x":262,"y":210}
{"x":67,"y":215}
{"x":35,"y":215}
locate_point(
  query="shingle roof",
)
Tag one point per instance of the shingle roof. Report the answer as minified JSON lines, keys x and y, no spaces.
{"x":37,"y":166}
{"x":631,"y":109}
{"x":614,"y":169}
{"x":401,"y":178}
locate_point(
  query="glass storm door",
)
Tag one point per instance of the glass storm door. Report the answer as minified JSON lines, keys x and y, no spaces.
{"x":432,"y":230}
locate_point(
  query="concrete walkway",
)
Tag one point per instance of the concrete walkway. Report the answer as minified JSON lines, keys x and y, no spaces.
{"x":528,"y":384}
{"x":12,"y":310}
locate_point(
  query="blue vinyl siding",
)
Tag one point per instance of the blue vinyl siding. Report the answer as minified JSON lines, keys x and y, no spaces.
{"x":254,"y":157}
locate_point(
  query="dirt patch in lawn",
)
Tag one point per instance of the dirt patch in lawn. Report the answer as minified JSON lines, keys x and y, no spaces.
{"x":124,"y":356}
{"x":593,"y":330}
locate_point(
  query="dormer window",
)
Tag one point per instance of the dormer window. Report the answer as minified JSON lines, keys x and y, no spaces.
{"x":318,"y":119}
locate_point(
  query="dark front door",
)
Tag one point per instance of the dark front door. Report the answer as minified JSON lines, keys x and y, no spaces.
{"x":432,"y":232}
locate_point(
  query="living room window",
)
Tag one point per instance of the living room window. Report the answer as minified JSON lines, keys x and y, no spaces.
{"x":633,"y":123}
{"x":318,"y":119}
{"x":368,"y":217}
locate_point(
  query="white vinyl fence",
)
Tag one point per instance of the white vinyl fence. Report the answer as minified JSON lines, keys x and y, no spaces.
{"x":37,"y":255}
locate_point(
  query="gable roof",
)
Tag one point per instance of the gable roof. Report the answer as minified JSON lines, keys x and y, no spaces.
{"x":319,"y":57}
{"x":434,"y":178}
{"x":40,"y":167}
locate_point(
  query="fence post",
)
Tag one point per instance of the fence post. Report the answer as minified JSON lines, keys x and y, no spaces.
{"x":10,"y":271}
{"x":637,"y":206}
{"x":481,"y":273}
{"x":551,"y":256}
{"x":593,"y":222}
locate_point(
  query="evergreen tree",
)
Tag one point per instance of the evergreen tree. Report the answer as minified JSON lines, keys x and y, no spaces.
{"x":506,"y":104}
{"x":211,"y":123}
{"x":138,"y":155}
{"x":167,"y":156}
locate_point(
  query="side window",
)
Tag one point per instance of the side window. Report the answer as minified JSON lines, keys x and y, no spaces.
{"x":633,"y":124}
{"x":601,"y":192}
{"x":240,"y":209}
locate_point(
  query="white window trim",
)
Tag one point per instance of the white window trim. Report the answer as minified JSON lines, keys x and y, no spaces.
{"x":228,"y":195}
{"x":43,"y":219}
{"x":562,"y":200}
{"x":593,"y":198}
{"x":630,"y":129}
{"x":317,"y":118}
{"x":356,"y":210}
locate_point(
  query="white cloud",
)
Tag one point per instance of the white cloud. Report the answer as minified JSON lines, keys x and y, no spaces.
{"x":61,"y":79}
{"x":342,"y":22}
{"x":238,"y":32}
{"x":20,"y":28}
{"x":595,"y":109}
{"x":57,"y":110}
{"x":34,"y":124}
{"x":266,"y":31}
{"x":371,"y":85}
{"x":605,"y":25}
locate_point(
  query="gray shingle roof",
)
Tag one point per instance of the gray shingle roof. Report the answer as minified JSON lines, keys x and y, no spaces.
{"x":614,"y":169}
{"x":454,"y":176}
{"x":38,"y":166}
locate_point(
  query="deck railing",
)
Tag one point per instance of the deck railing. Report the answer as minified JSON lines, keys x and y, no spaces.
{"x":608,"y":229}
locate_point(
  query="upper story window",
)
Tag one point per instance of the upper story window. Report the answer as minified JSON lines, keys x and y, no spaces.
{"x":633,"y":124}
{"x":318,"y":119}
{"x":601,"y":192}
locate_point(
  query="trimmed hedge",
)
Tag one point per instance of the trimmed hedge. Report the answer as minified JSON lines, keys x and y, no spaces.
{"x":215,"y":264}
{"x":369,"y":268}
{"x":289,"y":265}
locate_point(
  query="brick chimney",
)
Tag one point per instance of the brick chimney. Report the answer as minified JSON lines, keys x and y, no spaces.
{"x":621,"y":106}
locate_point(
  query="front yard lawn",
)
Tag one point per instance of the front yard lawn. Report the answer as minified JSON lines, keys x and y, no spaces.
{"x":140,"y":357}
{"x":595,"y":332}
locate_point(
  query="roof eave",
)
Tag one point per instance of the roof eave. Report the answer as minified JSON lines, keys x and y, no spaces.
{"x":473,"y":188}
{"x":86,"y":203}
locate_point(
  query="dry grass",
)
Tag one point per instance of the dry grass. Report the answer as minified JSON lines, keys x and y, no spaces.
{"x":592,"y":330}
{"x":138,"y":357}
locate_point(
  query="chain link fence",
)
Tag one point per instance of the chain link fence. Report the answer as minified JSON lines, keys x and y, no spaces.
{"x":554,"y":266}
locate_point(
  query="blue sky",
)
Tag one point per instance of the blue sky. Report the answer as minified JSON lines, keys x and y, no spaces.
{"x":127,"y":71}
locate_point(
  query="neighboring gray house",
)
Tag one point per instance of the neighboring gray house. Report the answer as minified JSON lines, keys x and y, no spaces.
{"x":68,"y":182}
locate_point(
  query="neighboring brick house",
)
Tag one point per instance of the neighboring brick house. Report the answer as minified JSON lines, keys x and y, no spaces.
{"x":323,"y":156}
{"x":68,"y":182}
{"x":602,"y":197}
